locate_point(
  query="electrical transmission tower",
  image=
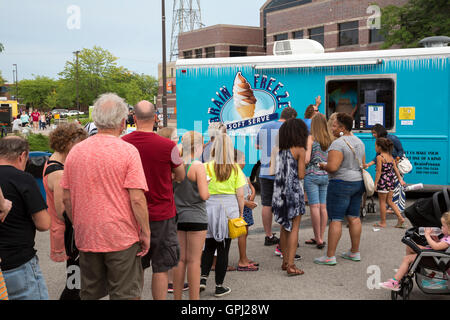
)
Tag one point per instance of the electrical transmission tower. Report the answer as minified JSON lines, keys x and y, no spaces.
{"x":186,"y":17}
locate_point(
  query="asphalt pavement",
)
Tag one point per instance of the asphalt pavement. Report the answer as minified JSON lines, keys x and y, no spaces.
{"x":381,"y":254}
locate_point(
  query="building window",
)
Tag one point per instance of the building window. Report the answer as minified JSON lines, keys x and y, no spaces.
{"x":236,"y":51}
{"x":210,"y":52}
{"x":280,"y":37}
{"x":198,"y":53}
{"x":375,"y":36}
{"x":354,"y":96}
{"x":317,"y":34}
{"x":348,"y":33}
{"x":297,"y":34}
{"x":187,"y":54}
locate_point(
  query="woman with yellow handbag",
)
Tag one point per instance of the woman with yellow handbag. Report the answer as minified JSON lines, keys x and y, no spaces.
{"x":226,"y":189}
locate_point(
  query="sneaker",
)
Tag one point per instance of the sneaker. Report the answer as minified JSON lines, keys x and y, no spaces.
{"x":170,"y":287}
{"x":203,"y":283}
{"x":270,"y":241}
{"x":390,"y":285}
{"x":222,"y":291}
{"x":351,"y":256}
{"x":278,"y":253}
{"x":329,"y":261}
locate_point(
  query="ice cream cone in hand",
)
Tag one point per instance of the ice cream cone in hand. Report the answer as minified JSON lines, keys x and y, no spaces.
{"x":244,"y":99}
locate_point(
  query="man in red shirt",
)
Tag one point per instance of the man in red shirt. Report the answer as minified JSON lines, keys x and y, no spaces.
{"x":160,"y":159}
{"x":35,"y":116}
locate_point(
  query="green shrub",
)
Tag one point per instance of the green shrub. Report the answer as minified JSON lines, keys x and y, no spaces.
{"x":39,"y":142}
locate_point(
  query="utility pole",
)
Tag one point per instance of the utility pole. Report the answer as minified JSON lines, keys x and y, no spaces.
{"x":78,"y":96}
{"x":164,"y":78}
{"x":17,"y":83}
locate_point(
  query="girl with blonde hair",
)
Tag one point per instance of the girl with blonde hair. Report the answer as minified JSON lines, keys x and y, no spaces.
{"x":316,"y":180}
{"x":434,"y":243}
{"x":190,"y":196}
{"x":226,"y":188}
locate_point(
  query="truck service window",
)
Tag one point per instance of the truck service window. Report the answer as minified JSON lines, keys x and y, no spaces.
{"x":352,"y":97}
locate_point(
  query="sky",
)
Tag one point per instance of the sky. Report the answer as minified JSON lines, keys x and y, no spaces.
{"x":41,"y":35}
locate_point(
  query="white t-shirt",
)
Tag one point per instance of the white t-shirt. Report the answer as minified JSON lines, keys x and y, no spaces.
{"x":16,"y":125}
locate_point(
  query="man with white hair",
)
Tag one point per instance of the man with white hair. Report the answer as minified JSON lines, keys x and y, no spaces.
{"x":104,"y":185}
{"x":160,"y":159}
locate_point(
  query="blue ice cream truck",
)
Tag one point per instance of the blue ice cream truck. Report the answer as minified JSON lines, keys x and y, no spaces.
{"x":405,"y":90}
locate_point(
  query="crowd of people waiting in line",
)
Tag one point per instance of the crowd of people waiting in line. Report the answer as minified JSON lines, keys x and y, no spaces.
{"x":117,"y":205}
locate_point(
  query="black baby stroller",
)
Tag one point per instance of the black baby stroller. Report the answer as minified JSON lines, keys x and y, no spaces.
{"x":430,"y":268}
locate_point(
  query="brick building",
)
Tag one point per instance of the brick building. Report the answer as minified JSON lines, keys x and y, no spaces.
{"x":339,"y":25}
{"x":221,"y":41}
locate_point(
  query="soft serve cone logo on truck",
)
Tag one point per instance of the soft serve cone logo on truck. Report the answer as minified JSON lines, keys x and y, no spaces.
{"x":243,"y":97}
{"x":248,"y":106}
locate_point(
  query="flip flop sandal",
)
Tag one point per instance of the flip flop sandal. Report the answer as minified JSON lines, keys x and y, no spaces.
{"x":256,"y":264}
{"x":400,"y":225}
{"x":311,"y":241}
{"x":250,"y":267}
{"x":321,"y":246}
{"x":377,"y":225}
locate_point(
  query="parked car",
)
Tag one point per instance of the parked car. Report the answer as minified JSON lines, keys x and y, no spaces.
{"x":75,"y":113}
{"x":61,"y":112}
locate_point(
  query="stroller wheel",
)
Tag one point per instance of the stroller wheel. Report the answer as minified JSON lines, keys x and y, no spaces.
{"x":363,"y":212}
{"x":394,"y":295}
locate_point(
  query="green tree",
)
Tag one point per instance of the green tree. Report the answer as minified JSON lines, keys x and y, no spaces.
{"x":96,"y":68}
{"x":418,"y":19}
{"x":98,"y":72}
{"x":2,"y":80}
{"x":2,"y":48}
{"x":34,"y":92}
{"x":51,"y":101}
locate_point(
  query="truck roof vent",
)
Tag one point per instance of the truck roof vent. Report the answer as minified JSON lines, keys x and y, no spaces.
{"x":297,"y":46}
{"x":437,"y":41}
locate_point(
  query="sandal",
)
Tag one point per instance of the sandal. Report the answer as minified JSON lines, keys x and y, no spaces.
{"x":294,"y":271}
{"x":256,"y":264}
{"x":321,"y":246}
{"x":400,"y":225}
{"x":250,"y":267}
{"x":311,"y":241}
{"x":377,"y":225}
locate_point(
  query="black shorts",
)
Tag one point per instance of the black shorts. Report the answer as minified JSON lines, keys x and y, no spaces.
{"x":192,"y":227}
{"x":266,"y":191}
{"x":164,"y":253}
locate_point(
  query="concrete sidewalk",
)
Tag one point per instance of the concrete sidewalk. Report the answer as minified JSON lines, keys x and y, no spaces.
{"x":380,"y":251}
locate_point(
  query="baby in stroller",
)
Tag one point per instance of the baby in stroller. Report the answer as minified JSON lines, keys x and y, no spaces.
{"x":434,"y":243}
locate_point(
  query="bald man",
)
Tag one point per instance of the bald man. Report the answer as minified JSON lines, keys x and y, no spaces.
{"x":160,"y":159}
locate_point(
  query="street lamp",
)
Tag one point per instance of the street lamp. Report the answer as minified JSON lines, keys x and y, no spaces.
{"x":164,"y":79}
{"x":17,"y":82}
{"x":78,"y":97}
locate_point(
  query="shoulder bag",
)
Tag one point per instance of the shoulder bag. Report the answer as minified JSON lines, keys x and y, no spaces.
{"x":404,"y":165}
{"x":367,"y":178}
{"x":236,"y":228}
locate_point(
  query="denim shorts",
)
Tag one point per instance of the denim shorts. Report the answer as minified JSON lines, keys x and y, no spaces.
{"x":316,"y":188}
{"x":344,"y":199}
{"x":26,"y":282}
